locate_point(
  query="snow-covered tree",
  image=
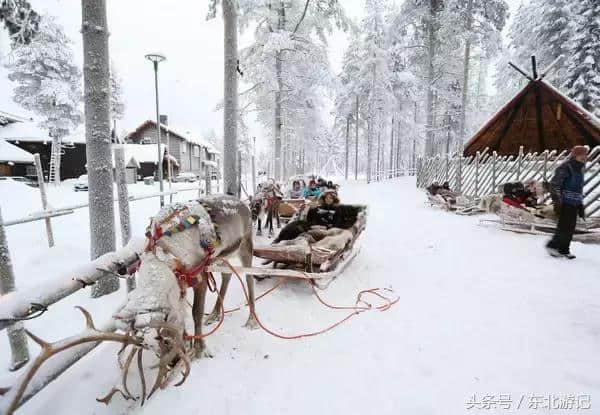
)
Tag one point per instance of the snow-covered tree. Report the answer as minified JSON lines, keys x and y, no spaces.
{"x":20,"y":20}
{"x":483,"y":21}
{"x":583,"y":72}
{"x":98,"y":147}
{"x":231,"y":11}
{"x":541,"y":28}
{"x":117,"y":105}
{"x":48,"y":83}
{"x":286,"y":64}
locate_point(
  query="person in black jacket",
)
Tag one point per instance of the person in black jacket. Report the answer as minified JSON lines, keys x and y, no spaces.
{"x":566,"y":189}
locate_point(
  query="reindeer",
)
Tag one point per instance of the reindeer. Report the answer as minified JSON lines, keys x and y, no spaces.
{"x":182,"y":240}
{"x":266,"y":200}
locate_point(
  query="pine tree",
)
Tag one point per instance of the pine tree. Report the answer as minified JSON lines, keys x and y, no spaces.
{"x":583,"y":71}
{"x":20,"y":20}
{"x":48,"y":83}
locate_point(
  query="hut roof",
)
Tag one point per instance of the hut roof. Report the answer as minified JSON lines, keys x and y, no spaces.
{"x":538,"y":118}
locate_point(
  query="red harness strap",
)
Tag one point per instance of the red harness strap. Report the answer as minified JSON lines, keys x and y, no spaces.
{"x":189,"y":278}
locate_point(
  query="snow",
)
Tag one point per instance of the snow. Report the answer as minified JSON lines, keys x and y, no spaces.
{"x":29,"y":131}
{"x":9,"y":152}
{"x":481,"y":312}
{"x":141,"y":153}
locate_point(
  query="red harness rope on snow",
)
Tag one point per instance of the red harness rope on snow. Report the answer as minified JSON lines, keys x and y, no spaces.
{"x":189,"y":277}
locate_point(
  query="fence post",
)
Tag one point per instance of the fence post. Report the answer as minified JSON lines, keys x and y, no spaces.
{"x":207,"y":180}
{"x":16,"y":334}
{"x":477,"y":159}
{"x":447,"y":168}
{"x":42,"y":186}
{"x":494,"y":160}
{"x":519,"y":163}
{"x":459,"y":174}
{"x":123,"y":196}
{"x":545,"y":171}
{"x":239,"y":174}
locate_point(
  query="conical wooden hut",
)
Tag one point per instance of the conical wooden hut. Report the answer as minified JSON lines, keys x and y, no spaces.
{"x":538,"y":118}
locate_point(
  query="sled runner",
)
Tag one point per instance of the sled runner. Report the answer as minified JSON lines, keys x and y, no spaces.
{"x":320,"y":253}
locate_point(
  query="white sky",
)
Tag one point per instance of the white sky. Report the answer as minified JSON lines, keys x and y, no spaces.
{"x":191,"y":80}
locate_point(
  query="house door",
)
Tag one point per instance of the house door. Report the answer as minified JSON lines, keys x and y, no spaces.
{"x":5,"y":170}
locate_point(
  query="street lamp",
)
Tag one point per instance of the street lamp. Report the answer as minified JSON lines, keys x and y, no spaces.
{"x":156,"y":58}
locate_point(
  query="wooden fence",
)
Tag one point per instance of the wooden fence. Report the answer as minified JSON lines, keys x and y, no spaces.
{"x":481,"y":174}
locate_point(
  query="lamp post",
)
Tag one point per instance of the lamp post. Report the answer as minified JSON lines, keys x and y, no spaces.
{"x":156,"y":58}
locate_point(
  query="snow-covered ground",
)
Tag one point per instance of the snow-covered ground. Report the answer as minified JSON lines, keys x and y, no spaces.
{"x":481,"y":312}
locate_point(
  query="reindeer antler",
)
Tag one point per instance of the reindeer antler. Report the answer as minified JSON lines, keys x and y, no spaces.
{"x":165,"y":364}
{"x":14,"y":394}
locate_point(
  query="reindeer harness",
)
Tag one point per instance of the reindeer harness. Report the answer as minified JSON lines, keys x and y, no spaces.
{"x":179,"y":221}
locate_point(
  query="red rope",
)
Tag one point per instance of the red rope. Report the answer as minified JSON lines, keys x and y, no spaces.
{"x":357,"y":310}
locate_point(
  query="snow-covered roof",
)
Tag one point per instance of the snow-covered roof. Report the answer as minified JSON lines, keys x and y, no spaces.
{"x":12,"y":153}
{"x":29,"y":131}
{"x":9,"y":118}
{"x":140,"y":153}
{"x":211,"y":149}
{"x":185,"y":136}
{"x":210,"y":163}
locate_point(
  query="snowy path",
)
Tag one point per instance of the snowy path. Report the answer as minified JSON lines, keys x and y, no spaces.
{"x":481,"y":312}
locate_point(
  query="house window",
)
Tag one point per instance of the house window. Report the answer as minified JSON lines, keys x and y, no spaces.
{"x":196,"y":151}
{"x":147,"y":140}
{"x":184,"y":148}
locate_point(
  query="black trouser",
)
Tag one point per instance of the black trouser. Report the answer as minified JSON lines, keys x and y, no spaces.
{"x":567,"y":221}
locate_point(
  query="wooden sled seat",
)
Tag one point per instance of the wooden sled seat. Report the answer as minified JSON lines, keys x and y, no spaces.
{"x":318,"y":246}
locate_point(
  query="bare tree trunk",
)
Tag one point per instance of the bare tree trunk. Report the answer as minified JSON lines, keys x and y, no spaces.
{"x":466,"y":64}
{"x":431,"y":40}
{"x":369,"y":132}
{"x":123,"y":196}
{"x":392,"y":149}
{"x":378,"y":153}
{"x":356,"y":144}
{"x":42,"y":186}
{"x":278,"y":97}
{"x":347,"y":145}
{"x":253,"y":165}
{"x":230,"y":113}
{"x":398,"y":149}
{"x":97,"y":124}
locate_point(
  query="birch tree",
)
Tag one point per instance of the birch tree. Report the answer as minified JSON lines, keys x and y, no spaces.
{"x":98,"y":144}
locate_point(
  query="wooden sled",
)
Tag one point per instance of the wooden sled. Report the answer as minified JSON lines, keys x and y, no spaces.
{"x":321,"y":279}
{"x":462,"y":206}
{"x":315,"y":260}
{"x":518,"y":220}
